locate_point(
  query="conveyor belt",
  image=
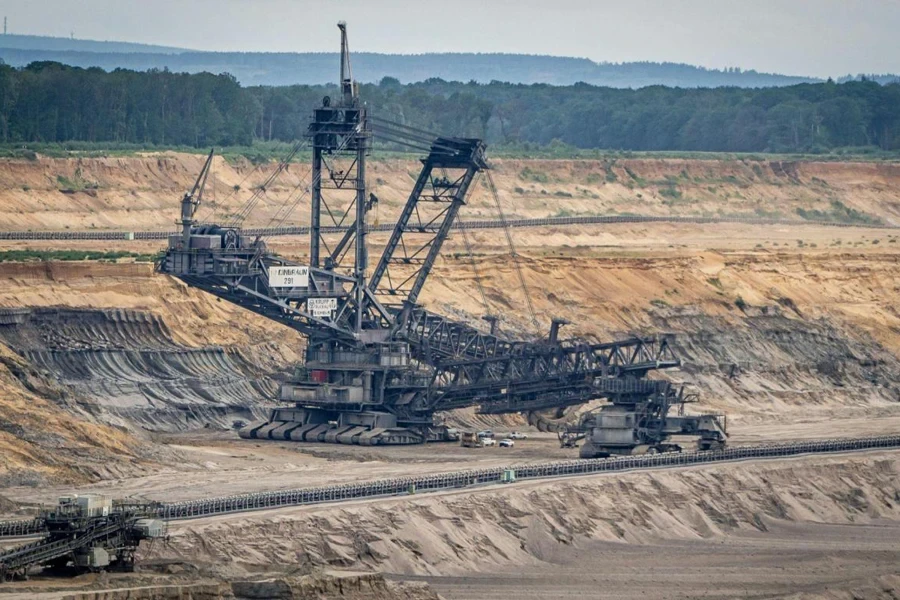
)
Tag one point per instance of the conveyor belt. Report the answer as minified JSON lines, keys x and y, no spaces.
{"x":470,"y":224}
{"x":462,"y":479}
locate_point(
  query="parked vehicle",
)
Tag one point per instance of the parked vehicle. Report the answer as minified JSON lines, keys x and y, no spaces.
{"x":469,"y":440}
{"x":507,"y":443}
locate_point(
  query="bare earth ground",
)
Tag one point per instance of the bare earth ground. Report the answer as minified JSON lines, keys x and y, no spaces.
{"x":810,"y":559}
{"x":818,"y":527}
{"x":814,"y":353}
{"x":749,"y":529}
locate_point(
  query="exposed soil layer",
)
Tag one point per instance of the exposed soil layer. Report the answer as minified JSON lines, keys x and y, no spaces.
{"x":125,"y":366}
{"x":93,"y":355}
{"x":141,"y":192}
{"x":42,"y":439}
{"x":793,"y":331}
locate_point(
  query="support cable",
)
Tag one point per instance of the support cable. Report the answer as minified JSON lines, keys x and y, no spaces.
{"x":465,"y":236}
{"x":422,"y":132}
{"x":237,"y":188}
{"x":260,"y":191}
{"x":471,"y":255}
{"x":512,"y":250}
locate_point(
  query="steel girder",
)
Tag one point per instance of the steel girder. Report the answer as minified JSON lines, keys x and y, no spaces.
{"x":432,"y":337}
{"x":469,"y":367}
{"x":544,"y":376}
{"x":426,"y":219}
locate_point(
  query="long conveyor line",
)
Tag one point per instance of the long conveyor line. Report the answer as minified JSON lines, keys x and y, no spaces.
{"x":463,"y":479}
{"x":474,"y":477}
{"x":469,"y":224}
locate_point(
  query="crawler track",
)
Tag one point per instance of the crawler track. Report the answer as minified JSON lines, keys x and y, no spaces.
{"x":478,"y":477}
{"x":471,"y":224}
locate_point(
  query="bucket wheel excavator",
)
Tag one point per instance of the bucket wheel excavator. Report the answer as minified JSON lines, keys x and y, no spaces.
{"x":378,"y":365}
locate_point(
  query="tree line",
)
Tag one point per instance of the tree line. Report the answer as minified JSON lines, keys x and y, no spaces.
{"x":49,"y":102}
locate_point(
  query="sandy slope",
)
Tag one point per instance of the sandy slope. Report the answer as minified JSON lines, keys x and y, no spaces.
{"x":142,"y":192}
{"x":50,"y":432}
{"x":795,"y":560}
{"x":41,"y":440}
{"x":726,"y":530}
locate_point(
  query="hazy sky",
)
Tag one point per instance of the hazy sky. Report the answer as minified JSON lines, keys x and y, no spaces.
{"x":803,"y":37}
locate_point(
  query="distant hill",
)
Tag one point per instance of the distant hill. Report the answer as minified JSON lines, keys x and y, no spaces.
{"x":278,"y":69}
{"x":310,"y":68}
{"x":42,"y":42}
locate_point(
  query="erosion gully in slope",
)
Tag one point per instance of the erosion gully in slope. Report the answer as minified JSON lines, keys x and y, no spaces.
{"x":124,"y":366}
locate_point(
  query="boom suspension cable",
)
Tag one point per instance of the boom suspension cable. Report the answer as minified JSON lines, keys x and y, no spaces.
{"x":260,"y":190}
{"x":471,"y":255}
{"x":215,"y":209}
{"x":465,"y":236}
{"x":512,"y":249}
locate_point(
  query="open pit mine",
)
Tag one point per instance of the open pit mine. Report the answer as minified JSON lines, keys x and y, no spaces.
{"x":335,"y":384}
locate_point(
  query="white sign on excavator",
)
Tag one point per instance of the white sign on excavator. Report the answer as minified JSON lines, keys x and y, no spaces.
{"x":321,"y":307}
{"x":288,"y":276}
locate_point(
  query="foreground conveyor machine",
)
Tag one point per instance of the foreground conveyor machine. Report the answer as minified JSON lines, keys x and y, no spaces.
{"x":378,"y":365}
{"x":83,"y":533}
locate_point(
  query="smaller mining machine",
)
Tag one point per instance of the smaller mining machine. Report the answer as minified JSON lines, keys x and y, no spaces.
{"x":639,"y":421}
{"x":83,"y":533}
{"x":378,"y":365}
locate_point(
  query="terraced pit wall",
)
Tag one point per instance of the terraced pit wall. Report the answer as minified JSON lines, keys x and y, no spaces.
{"x":125,"y":365}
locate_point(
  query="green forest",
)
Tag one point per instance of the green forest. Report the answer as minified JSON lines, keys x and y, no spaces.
{"x":52,"y":103}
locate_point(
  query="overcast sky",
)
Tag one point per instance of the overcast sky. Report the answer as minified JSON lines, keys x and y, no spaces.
{"x":802,"y":37}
